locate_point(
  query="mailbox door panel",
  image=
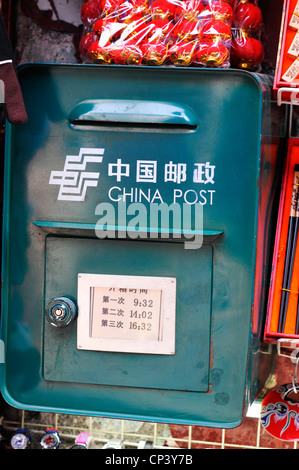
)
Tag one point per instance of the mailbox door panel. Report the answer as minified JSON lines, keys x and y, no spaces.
{"x":187,"y":368}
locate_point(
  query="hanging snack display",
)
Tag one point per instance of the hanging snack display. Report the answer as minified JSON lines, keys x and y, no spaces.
{"x":202,"y":33}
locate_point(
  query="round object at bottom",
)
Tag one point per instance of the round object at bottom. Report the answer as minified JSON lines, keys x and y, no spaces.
{"x":61,"y":311}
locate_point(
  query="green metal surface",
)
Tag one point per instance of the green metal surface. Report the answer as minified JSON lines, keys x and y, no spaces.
{"x":210,"y":117}
{"x":115,"y":257}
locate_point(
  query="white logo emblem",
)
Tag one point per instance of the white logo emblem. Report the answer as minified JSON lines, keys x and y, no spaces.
{"x":74,"y":179}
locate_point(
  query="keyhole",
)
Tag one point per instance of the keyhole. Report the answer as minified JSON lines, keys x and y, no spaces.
{"x":58,"y":312}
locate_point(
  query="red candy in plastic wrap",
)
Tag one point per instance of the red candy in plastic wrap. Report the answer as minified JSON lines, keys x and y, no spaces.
{"x":198,"y":33}
{"x":247,"y":51}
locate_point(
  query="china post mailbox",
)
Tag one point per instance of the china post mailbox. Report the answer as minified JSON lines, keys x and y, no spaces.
{"x":136,"y":238}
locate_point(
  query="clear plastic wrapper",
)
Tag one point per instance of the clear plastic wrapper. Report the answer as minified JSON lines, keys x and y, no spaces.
{"x":247,"y":50}
{"x":167,"y":32}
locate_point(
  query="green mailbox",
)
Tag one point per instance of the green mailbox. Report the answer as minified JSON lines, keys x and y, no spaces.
{"x":139,"y":213}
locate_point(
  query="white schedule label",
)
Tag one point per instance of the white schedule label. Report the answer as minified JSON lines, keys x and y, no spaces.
{"x":126,"y":313}
{"x":130,"y":314}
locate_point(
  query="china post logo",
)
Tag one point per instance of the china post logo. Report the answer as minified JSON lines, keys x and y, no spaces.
{"x":75,"y":178}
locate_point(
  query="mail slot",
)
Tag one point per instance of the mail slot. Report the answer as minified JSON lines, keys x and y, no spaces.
{"x":139,"y":218}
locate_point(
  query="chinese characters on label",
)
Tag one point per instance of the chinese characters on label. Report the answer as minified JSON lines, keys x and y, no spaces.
{"x":201,"y":175}
{"x":146,"y":171}
{"x":125,"y":313}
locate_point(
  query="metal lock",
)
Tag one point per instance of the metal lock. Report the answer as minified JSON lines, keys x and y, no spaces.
{"x":61,"y":311}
